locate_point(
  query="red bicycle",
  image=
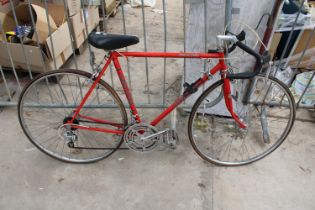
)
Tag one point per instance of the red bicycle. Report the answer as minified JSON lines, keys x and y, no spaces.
{"x":75,"y":116}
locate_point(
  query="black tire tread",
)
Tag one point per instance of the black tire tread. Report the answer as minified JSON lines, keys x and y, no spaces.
{"x":82,"y":73}
{"x":209,"y":90}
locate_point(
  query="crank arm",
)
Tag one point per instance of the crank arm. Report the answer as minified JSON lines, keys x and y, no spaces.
{"x":154,"y":135}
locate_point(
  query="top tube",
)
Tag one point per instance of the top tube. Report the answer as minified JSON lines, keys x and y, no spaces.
{"x":169,"y":54}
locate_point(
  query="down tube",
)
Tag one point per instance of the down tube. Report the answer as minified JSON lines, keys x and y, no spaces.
{"x":169,"y":109}
{"x":186,"y":93}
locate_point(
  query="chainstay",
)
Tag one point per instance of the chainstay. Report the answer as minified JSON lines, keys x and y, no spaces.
{"x":100,"y":148}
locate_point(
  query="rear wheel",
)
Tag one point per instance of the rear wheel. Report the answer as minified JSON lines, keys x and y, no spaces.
{"x":268,"y":110}
{"x":45,"y":106}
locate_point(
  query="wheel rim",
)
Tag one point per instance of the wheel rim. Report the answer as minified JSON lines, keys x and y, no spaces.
{"x":218,"y":139}
{"x":51,"y":99}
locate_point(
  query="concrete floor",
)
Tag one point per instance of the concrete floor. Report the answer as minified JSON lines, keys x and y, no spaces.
{"x":163,"y":179}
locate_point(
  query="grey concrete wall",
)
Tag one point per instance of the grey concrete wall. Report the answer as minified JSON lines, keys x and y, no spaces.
{"x":202,"y":29}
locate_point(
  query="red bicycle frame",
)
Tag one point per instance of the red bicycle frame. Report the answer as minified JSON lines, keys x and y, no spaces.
{"x":192,"y":88}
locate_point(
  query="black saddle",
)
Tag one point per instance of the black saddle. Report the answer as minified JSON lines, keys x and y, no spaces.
{"x":111,"y":41}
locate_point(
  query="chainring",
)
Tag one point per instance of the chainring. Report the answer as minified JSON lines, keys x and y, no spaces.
{"x":135,"y":137}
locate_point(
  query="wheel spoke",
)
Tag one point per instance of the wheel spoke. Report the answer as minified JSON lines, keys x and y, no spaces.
{"x":44,"y":126}
{"x":220,"y":140}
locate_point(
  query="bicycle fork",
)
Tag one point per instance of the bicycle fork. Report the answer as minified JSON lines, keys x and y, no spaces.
{"x":229,"y":102}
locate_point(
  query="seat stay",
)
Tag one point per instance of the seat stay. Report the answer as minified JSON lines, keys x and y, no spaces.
{"x":96,"y":81}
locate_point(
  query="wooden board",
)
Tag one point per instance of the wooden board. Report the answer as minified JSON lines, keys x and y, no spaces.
{"x":274,"y":43}
{"x":308,"y":60}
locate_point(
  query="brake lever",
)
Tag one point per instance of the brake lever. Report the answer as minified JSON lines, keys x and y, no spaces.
{"x":241,"y":36}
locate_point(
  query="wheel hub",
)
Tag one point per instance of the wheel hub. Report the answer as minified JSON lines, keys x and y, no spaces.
{"x":67,"y":119}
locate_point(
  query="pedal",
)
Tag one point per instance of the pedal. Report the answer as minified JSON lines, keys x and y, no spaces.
{"x":170,"y":138}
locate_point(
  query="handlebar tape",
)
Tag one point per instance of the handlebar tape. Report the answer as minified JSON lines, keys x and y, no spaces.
{"x":259,"y":63}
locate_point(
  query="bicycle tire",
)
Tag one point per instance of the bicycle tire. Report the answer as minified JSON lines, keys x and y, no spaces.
{"x":78,"y":74}
{"x":231,"y":129}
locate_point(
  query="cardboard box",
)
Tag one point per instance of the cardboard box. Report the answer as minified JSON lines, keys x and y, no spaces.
{"x":33,"y":55}
{"x":5,"y":5}
{"x":92,"y":2}
{"x":92,"y":16}
{"x":24,"y":17}
{"x":61,"y":49}
{"x":78,"y":25}
{"x":74,"y":6}
{"x":109,"y":5}
{"x":78,"y":29}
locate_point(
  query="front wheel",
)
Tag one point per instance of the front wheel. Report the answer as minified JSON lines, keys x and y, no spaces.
{"x":49,"y":101}
{"x":266,"y":106}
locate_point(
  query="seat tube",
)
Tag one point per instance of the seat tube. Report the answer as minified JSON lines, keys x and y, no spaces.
{"x":126,"y":89}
